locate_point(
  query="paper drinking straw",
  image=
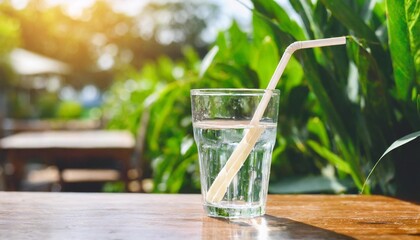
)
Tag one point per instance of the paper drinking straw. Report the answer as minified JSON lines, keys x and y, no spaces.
{"x":240,"y":154}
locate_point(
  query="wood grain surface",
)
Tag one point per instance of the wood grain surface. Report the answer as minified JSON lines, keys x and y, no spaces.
{"x":148,"y":216}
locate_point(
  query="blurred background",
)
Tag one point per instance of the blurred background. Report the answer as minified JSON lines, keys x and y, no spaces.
{"x":127,"y":67}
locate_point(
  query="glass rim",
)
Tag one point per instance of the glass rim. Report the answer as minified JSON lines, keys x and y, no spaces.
{"x":234,"y":91}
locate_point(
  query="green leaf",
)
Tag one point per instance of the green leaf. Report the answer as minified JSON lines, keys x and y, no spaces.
{"x":167,"y":97}
{"x":177,"y":175}
{"x":208,"y":59}
{"x":292,"y":76}
{"x":349,"y":18}
{"x":306,"y":10}
{"x":281,"y":145}
{"x":186,"y":144}
{"x":400,"y":142}
{"x":261,"y":28}
{"x":237,"y":76}
{"x":335,"y":160}
{"x":318,"y":86}
{"x":373,"y":89}
{"x":406,"y":139}
{"x":239,"y":45}
{"x":412,"y":8}
{"x":265,"y":61}
{"x":221,"y":42}
{"x":316,"y":127}
{"x":400,"y":44}
{"x":277,"y":15}
{"x":192,"y":59}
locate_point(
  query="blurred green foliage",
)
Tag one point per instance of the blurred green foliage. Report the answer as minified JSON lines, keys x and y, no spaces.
{"x":9,"y":39}
{"x":95,"y":42}
{"x":156,"y":98}
{"x":69,"y":110}
{"x":9,"y":33}
{"x":341,"y":107}
{"x":101,"y":31}
{"x":47,"y":104}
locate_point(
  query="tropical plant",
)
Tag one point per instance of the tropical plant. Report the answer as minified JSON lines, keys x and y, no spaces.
{"x":362,"y":103}
{"x":341,"y":107}
{"x":154,"y":104}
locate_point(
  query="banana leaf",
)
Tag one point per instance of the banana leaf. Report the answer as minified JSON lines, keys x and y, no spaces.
{"x":349,"y":18}
{"x":403,"y":35}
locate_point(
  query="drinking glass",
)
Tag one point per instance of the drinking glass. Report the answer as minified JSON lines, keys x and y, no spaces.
{"x":221,"y":118}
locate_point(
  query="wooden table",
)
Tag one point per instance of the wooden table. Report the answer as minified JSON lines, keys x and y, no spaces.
{"x":66,"y":146}
{"x":12,"y":126}
{"x":146,"y":216}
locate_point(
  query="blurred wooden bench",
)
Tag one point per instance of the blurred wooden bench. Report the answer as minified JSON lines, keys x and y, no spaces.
{"x":10,"y":126}
{"x":67,"y":147}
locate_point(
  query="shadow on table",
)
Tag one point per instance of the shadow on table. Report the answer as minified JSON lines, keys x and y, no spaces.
{"x":267,"y":227}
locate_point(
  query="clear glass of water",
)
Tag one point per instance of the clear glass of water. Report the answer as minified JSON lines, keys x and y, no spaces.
{"x":221,"y":118}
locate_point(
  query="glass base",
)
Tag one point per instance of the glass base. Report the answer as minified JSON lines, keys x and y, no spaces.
{"x":234,"y":212}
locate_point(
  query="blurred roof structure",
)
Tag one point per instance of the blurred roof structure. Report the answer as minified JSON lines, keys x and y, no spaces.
{"x":29,"y":63}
